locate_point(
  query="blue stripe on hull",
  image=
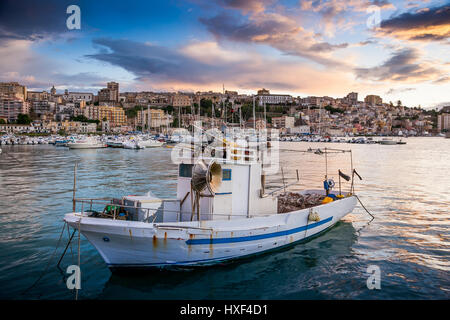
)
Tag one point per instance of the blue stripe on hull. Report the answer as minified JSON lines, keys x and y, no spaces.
{"x":259,"y":236}
{"x":228,"y":258}
{"x":212,"y":261}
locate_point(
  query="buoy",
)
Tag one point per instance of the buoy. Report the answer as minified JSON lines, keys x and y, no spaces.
{"x":313,"y":216}
{"x":327,"y":200}
{"x":340,"y":196}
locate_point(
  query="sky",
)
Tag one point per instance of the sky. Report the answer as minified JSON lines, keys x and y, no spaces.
{"x":396,"y":49}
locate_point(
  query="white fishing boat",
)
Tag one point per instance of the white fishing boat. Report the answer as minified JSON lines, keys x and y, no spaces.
{"x":221,"y":212}
{"x":132,"y":144}
{"x":86,"y":143}
{"x":150,"y":143}
{"x":114,"y":143}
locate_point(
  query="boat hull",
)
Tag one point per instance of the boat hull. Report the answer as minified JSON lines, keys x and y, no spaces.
{"x":131,"y":244}
{"x":85,"y":146}
{"x":389,"y":142}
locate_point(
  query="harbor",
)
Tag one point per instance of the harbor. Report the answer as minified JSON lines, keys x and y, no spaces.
{"x":140,"y":140}
{"x":224,"y":159}
{"x":395,"y":194}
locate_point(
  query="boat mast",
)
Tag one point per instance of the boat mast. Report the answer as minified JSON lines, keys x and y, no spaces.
{"x":265,"y":117}
{"x":142,"y":119}
{"x":254,"y":114}
{"x":149,"y":116}
{"x":240,"y":117}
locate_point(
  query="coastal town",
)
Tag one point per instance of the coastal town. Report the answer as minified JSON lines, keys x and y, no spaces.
{"x":23,"y":111}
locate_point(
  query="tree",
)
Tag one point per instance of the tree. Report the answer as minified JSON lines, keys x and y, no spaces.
{"x":2,"y":121}
{"x":399,"y":103}
{"x":82,"y":118}
{"x":23,"y":119}
{"x":175,"y":122}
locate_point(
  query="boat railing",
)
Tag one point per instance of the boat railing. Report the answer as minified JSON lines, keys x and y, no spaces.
{"x":151,"y":213}
{"x":229,"y":152}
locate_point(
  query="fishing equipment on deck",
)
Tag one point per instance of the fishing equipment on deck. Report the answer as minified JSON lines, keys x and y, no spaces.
{"x":204,"y":176}
{"x":292,"y":201}
{"x":328,"y":184}
{"x":327,"y":200}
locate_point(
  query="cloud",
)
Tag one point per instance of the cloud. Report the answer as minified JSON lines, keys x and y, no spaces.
{"x":20,"y":63}
{"x":443,"y":79}
{"x":245,"y":5}
{"x":205,"y":65}
{"x":404,"y":65}
{"x":29,"y":20}
{"x":276,"y":30}
{"x":339,"y":14}
{"x":399,"y":90}
{"x":428,"y":24}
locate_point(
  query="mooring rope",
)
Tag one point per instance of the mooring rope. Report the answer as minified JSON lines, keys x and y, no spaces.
{"x":48,"y":263}
{"x":368,"y":223}
{"x":364,"y":207}
{"x":79,"y":253}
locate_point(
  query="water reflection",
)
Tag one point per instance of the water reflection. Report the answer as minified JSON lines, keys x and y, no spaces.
{"x":405,"y":187}
{"x":244,"y":278}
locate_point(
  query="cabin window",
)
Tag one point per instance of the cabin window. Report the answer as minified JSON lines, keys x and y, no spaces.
{"x":226,"y":174}
{"x":185,"y":170}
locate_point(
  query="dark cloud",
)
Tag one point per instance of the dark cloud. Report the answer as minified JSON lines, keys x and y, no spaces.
{"x":428,"y":24}
{"x":197,"y":65}
{"x":403,"y":65}
{"x":275,"y":30}
{"x":148,"y":60}
{"x":394,"y":91}
{"x":245,"y":5}
{"x":238,"y":28}
{"x":443,"y":79}
{"x":32,"y":20}
{"x":367,"y":42}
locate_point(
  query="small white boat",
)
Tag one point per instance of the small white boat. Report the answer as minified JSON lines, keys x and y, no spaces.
{"x":221,"y":213}
{"x":150,"y":143}
{"x":132,"y":144}
{"x":86,"y":143}
{"x":388,"y":141}
{"x":114,"y":143}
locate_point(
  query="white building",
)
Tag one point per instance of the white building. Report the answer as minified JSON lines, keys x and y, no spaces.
{"x":273,"y":99}
{"x":283,"y":122}
{"x":443,"y":122}
{"x":78,"y":96}
{"x":304,"y":129}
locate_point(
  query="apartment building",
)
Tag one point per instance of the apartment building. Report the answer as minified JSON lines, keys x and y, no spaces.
{"x":443,"y":122}
{"x":283,"y":122}
{"x":157,"y":118}
{"x":11,"y":107}
{"x":181,"y":100}
{"x":13,"y":89}
{"x":373,"y":100}
{"x":110,"y":93}
{"x":115,"y":115}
